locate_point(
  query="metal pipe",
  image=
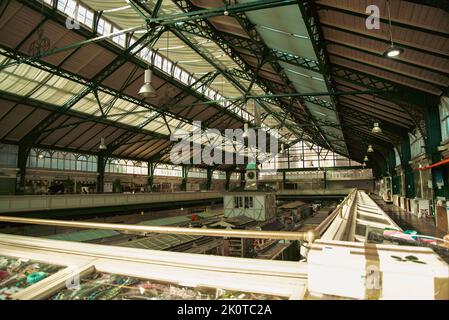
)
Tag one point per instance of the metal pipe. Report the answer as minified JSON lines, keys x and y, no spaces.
{"x":309,"y":236}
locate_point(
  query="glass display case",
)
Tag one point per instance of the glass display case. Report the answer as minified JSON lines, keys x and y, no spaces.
{"x":104,"y":286}
{"x":62,"y":270}
{"x":17,"y":274}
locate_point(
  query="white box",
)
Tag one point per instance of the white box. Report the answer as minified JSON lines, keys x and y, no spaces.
{"x":368,"y":271}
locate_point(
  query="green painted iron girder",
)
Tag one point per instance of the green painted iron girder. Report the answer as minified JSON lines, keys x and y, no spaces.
{"x":203,"y":28}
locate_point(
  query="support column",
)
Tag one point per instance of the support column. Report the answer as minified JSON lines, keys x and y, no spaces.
{"x":22,"y":158}
{"x":228,"y":179}
{"x":409,"y":185}
{"x":101,"y":166}
{"x":283,"y":180}
{"x":185,"y":174}
{"x":395,"y":178}
{"x":325,"y":178}
{"x":433,"y":141}
{"x":210,"y":172}
{"x":150,"y":178}
{"x":242,"y":178}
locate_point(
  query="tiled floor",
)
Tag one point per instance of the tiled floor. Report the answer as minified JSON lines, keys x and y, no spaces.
{"x":408,"y":221}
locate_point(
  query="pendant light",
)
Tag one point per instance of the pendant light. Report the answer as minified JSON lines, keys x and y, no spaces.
{"x":366,"y":159}
{"x":147,"y":90}
{"x":370,"y":149}
{"x":376,"y":128}
{"x":392,"y":51}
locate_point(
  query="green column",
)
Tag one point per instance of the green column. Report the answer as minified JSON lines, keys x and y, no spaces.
{"x":101,"y":166}
{"x":185,"y":174}
{"x":150,"y":178}
{"x":22,"y":158}
{"x":228,"y":179}
{"x":433,"y":141}
{"x":325,"y":178}
{"x":210,"y":172}
{"x":392,"y":171}
{"x":407,"y":169}
{"x":284,"y":179}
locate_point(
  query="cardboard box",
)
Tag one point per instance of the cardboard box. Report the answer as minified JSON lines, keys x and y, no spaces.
{"x":368,"y":271}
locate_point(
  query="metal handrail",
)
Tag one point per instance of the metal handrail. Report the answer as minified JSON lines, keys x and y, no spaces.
{"x":322,"y":227}
{"x":309,"y":236}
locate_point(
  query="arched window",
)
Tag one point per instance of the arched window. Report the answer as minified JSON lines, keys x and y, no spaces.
{"x":8,"y":155}
{"x":58,"y":160}
{"x":92,"y":163}
{"x":70,"y":162}
{"x":81,"y":163}
{"x":122,"y":166}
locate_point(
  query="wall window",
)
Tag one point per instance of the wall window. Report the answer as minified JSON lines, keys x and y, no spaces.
{"x":8,"y":155}
{"x":444,"y":117}
{"x":416,"y":144}
{"x":306,"y":155}
{"x":126,"y":167}
{"x":238,"y":202}
{"x":57,"y":160}
{"x":168,"y":170}
{"x":249,"y":202}
{"x":120,"y":39}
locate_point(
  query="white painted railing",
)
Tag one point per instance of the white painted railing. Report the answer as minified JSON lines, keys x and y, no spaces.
{"x":27,"y":203}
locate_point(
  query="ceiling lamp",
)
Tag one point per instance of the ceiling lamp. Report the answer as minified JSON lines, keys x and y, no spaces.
{"x":370,"y":149}
{"x":102,"y":144}
{"x":392,"y":50}
{"x":376,"y":128}
{"x":147,"y":90}
{"x":40,"y":155}
{"x":364,"y":164}
{"x":366,"y":159}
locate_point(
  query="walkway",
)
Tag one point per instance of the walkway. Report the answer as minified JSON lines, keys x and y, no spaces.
{"x":409,"y":221}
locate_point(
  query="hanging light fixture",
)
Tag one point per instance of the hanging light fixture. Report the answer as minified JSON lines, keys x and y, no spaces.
{"x":40,"y":155}
{"x":376,"y":128}
{"x":102,"y":144}
{"x":366,"y":159}
{"x":370,"y":149}
{"x":364,"y":164}
{"x":392,"y":51}
{"x":147,"y":90}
